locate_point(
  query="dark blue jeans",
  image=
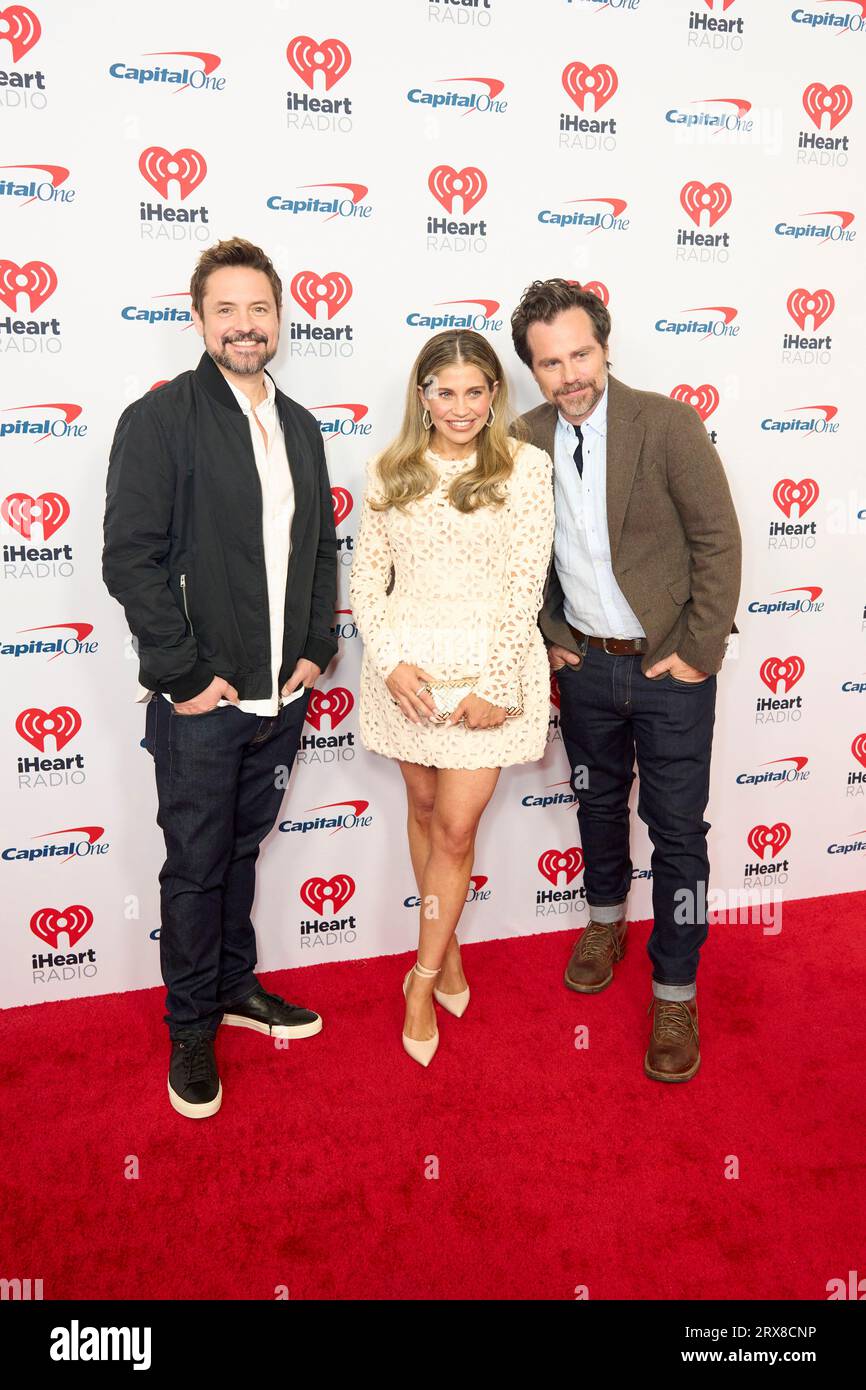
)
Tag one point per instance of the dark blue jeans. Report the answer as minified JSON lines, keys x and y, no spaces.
{"x":220,"y":780}
{"x":610,"y":714}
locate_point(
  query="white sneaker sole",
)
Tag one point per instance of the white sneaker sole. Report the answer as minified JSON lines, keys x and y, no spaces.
{"x":195,"y":1112}
{"x":277,"y":1030}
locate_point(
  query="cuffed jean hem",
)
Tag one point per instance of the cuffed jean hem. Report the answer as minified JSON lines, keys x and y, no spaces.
{"x":675,"y":994}
{"x":606,"y":913}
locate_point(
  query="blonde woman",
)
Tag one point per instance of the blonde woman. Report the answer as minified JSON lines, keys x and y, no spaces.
{"x":448,"y":576}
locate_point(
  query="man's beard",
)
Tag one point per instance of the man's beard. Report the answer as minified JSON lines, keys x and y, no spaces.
{"x":245,"y":364}
{"x":571,"y":407}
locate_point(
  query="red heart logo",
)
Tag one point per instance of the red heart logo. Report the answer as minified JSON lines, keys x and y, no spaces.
{"x":704,"y":398}
{"x":554,"y":862}
{"x":714,"y":199}
{"x":342,"y":500}
{"x":49,"y":922}
{"x":773,"y":837}
{"x":858,"y":748}
{"x":49,"y":510}
{"x":159,"y":167}
{"x":819,"y":305}
{"x":335,"y":703}
{"x":338,"y":890}
{"x":35,"y":725}
{"x":35,"y":279}
{"x":597,"y":288}
{"x":23,"y":30}
{"x":787,"y":494}
{"x":446,"y":184}
{"x":775,"y":672}
{"x":820,"y":101}
{"x":581,"y":82}
{"x":330,"y":57}
{"x":334,"y":290}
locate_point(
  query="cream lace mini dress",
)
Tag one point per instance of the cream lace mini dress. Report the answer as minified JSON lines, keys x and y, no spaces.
{"x":465,"y":600}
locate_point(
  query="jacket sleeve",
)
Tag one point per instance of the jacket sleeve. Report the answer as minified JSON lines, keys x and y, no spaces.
{"x":702,"y":497}
{"x":140,"y":494}
{"x":321,"y":645}
{"x":529,"y":548}
{"x":371,"y":578}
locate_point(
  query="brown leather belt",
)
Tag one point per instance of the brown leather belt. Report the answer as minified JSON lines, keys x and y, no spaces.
{"x":614,"y":646}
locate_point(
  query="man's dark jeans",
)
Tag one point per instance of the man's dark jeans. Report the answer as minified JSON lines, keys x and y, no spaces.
{"x":611,"y":712}
{"x":220,"y":779}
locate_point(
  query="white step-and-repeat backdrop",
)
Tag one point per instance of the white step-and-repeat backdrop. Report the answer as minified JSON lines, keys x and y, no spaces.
{"x":412,"y":165}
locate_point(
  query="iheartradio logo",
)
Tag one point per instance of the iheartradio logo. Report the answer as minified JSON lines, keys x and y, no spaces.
{"x":36,"y":725}
{"x":187,"y":168}
{"x":712,"y":199}
{"x":776,"y":672}
{"x":36,"y":280}
{"x":331,"y":58}
{"x":334,"y":290}
{"x":21,"y":29}
{"x":554,"y":862}
{"x":820,"y":101}
{"x":581,"y":82}
{"x":704,"y":399}
{"x":768,"y":837}
{"x":597,"y":288}
{"x":718,"y":4}
{"x":446,"y":184}
{"x":858,"y":748}
{"x":338,"y":890}
{"x":21,"y":511}
{"x":50,"y":923}
{"x":335,"y":703}
{"x":787,"y":494}
{"x":817,"y":305}
{"x":341,"y":498}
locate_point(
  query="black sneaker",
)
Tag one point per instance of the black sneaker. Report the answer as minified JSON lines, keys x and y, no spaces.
{"x":194,"y":1087}
{"x":268,"y":1013}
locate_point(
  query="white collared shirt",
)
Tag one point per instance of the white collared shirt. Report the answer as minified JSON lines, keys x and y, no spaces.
{"x":594,"y":602}
{"x":278,"y":509}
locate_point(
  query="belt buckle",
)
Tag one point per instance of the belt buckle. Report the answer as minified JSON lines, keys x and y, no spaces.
{"x":606,"y":648}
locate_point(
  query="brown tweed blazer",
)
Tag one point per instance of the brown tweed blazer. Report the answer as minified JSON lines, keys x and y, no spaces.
{"x":674,"y":536}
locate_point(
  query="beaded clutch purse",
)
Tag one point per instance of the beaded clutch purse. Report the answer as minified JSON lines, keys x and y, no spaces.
{"x":448,"y":694}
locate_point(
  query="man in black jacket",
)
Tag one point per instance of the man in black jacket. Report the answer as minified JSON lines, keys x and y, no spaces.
{"x":220,"y":545}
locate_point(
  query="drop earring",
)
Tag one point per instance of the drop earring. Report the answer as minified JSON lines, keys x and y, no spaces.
{"x":426,"y":419}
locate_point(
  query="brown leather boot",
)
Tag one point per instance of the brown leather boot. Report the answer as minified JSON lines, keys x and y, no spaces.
{"x":674,"y":1050}
{"x":597,"y":949}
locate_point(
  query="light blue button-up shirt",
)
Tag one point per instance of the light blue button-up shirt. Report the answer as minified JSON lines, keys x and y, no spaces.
{"x":594,"y":602}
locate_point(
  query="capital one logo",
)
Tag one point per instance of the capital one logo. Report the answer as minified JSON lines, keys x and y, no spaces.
{"x":37,"y":725}
{"x":446,"y":184}
{"x":554,"y":862}
{"x":704,"y":399}
{"x":310,"y":290}
{"x":341,"y":498}
{"x":713,"y":199}
{"x":338,"y":890}
{"x":787,"y":494}
{"x":49,"y":923}
{"x":858,"y":748}
{"x":36,"y":280}
{"x":21,"y":511}
{"x":335,"y":703}
{"x":581,"y":82}
{"x":820,"y":101}
{"x":815,"y":304}
{"x":186,"y":167}
{"x":21,"y":28}
{"x":331,"y":58}
{"x":768,"y":837}
{"x":775,"y":673}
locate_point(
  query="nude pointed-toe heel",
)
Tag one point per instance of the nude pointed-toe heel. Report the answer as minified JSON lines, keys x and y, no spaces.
{"x":455,"y":1004}
{"x":420,"y":1049}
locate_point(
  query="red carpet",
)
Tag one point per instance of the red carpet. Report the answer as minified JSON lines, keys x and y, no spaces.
{"x":557,"y":1167}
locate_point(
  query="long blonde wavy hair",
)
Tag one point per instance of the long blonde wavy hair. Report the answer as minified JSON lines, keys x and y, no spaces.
{"x":405,"y":475}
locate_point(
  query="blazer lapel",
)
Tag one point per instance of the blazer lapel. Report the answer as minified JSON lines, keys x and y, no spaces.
{"x":625,"y":433}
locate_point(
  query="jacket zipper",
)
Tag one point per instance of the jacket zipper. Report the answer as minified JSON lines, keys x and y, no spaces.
{"x":185,"y":607}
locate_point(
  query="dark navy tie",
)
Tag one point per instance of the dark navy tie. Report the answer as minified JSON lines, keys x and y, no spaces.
{"x":578,"y":453}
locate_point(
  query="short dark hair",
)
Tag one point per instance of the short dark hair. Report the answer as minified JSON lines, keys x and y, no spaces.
{"x":229,"y":253}
{"x":544,"y":299}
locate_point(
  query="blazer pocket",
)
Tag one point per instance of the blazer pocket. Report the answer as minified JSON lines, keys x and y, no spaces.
{"x":680,"y":590}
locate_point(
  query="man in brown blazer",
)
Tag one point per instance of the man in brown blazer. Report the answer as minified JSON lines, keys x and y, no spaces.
{"x":640,"y":598}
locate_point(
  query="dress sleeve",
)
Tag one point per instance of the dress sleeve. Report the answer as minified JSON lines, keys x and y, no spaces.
{"x":370,"y":580}
{"x":530,"y":543}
